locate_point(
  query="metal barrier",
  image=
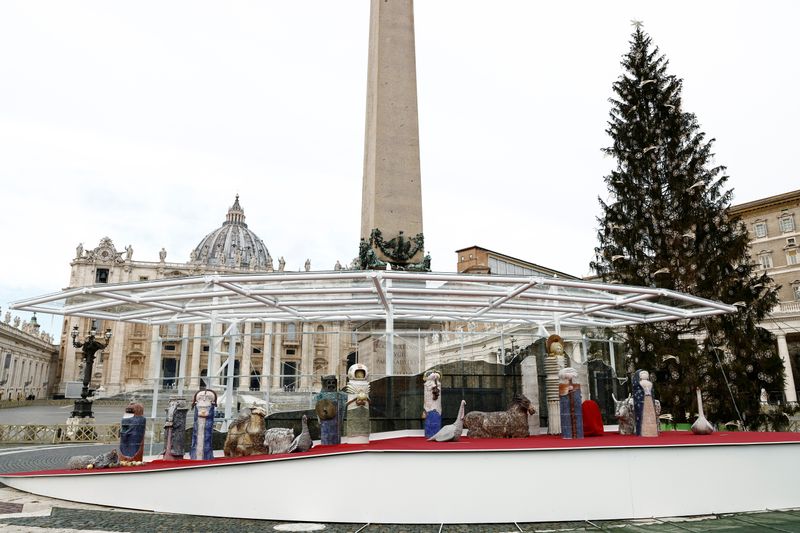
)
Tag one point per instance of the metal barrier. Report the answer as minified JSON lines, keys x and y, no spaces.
{"x":58,"y":433}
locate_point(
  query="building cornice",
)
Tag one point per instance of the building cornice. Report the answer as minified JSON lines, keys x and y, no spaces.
{"x":765,"y":203}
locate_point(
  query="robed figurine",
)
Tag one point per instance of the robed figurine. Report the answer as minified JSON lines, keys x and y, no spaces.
{"x":330,"y":405}
{"x":131,"y":433}
{"x":204,"y":404}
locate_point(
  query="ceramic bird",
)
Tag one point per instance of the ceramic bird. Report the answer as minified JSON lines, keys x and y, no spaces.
{"x":452,"y":431}
{"x":302,"y":442}
{"x":701,"y":426}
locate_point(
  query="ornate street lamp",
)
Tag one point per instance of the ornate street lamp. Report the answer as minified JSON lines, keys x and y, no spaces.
{"x":83,"y":406}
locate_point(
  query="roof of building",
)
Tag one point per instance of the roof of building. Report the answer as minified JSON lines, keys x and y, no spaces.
{"x":762,"y":203}
{"x":232,"y":244}
{"x":534,"y":266}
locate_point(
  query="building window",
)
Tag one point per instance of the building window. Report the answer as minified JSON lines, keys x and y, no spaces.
{"x":319,"y":337}
{"x":256,"y":351}
{"x":144,"y":278}
{"x":787,"y":223}
{"x":765,"y":259}
{"x":791,"y":257}
{"x":791,"y":241}
{"x":760,"y":229}
{"x":291,"y":332}
{"x":101,"y":275}
{"x":796,"y":290}
{"x":169,"y":347}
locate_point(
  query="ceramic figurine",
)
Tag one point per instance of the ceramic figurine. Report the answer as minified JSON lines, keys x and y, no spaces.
{"x":330,"y":406}
{"x":205,"y":406}
{"x":175,"y":429}
{"x":131,"y":433}
{"x":357,"y":405}
{"x":451,"y":431}
{"x":246,"y":434}
{"x":569,"y":394}
{"x":701,"y":426}
{"x":278,"y":440}
{"x":647,"y":424}
{"x":511,"y":423}
{"x":553,"y":362}
{"x":432,"y":413}
{"x":592,"y":419}
{"x":302,"y":442}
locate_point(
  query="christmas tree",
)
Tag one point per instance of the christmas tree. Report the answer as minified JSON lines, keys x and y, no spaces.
{"x":665,"y":224}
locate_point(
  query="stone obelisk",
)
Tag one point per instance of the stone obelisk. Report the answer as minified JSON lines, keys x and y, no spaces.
{"x":391,"y":202}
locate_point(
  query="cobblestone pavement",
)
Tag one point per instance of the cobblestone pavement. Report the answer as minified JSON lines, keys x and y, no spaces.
{"x":47,"y":515}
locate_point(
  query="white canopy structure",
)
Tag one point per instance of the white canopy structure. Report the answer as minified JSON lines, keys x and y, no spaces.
{"x":375,"y":295}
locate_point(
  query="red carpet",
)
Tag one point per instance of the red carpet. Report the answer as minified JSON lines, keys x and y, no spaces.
{"x":419,"y":444}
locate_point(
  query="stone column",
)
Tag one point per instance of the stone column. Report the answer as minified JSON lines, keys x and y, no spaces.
{"x":334,"y":359}
{"x":276,"y":357}
{"x":155,"y":355}
{"x":197,"y":354}
{"x":247,"y":352}
{"x":307,"y":357}
{"x":266,"y":355}
{"x":115,"y":381}
{"x":788,"y":386}
{"x":530,"y":388}
{"x":182,"y":361}
{"x":68,"y":370}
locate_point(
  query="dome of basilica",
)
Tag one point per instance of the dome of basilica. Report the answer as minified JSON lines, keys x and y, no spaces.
{"x":233,"y":245}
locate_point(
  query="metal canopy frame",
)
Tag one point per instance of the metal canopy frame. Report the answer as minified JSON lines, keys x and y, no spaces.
{"x":388,"y":296}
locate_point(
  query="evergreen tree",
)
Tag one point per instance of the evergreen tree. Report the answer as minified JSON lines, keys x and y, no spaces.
{"x":666,"y":225}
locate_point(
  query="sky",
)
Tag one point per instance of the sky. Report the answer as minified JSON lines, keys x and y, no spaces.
{"x":141,"y":121}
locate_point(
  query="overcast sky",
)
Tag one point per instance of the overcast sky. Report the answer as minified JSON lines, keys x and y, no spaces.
{"x":140,"y":121}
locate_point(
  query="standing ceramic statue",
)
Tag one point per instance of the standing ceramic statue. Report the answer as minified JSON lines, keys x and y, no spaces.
{"x":330,"y":406}
{"x":432,"y":413}
{"x":569,"y":394}
{"x":648,"y":425}
{"x":357,"y":405}
{"x":205,"y":406}
{"x":174,"y":429}
{"x":131,"y":433}
{"x":552,"y":363}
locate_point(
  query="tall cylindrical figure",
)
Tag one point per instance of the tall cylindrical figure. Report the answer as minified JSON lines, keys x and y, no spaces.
{"x":204,"y":404}
{"x":358,"y":429}
{"x":174,"y":429}
{"x":552,"y":364}
{"x":432,"y":413}
{"x":330,"y":403}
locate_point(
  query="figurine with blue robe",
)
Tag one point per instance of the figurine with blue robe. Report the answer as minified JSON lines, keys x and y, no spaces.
{"x":432,"y":413}
{"x":131,"y":433}
{"x":204,"y":404}
{"x":638,"y":402}
{"x":330,"y":406}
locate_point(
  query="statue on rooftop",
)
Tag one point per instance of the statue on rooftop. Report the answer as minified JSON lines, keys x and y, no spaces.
{"x":128,"y":252}
{"x":162,"y":255}
{"x":281,"y":264}
{"x":79,"y":251}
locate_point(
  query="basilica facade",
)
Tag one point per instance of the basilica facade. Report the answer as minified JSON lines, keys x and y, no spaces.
{"x":268,"y":356}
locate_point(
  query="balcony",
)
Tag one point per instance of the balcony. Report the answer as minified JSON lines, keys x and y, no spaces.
{"x":787,"y":308}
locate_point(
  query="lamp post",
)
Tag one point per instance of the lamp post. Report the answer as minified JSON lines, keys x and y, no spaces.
{"x":83,"y":406}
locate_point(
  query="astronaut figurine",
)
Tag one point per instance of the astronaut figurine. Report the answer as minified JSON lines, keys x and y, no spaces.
{"x":357,"y":427}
